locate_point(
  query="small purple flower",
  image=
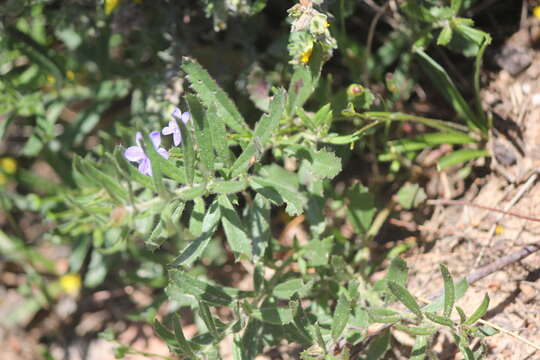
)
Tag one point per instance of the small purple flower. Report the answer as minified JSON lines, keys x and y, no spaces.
{"x":173,"y":127}
{"x":136,"y":153}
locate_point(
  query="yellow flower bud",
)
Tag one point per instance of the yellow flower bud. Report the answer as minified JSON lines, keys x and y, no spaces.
{"x":110,"y":6}
{"x":306,"y":55}
{"x":8,"y":165}
{"x":536,"y":12}
{"x":51,"y":79}
{"x":70,"y":75}
{"x":71,"y":283}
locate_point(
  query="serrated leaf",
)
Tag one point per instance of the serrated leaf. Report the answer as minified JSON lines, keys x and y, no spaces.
{"x":341,"y":316}
{"x":228,"y":186}
{"x":300,"y":88}
{"x":479,"y":312}
{"x":180,"y":283}
{"x":416,"y":330}
{"x":449,"y":291}
{"x":261,"y":136}
{"x":189,"y":151}
{"x":203,"y":135}
{"x":287,"y":289}
{"x":325,"y":164}
{"x":259,"y":222}
{"x":403,"y":295}
{"x":383,"y":315}
{"x":234,"y":229}
{"x":273,"y":315}
{"x":460,"y":289}
{"x":210,"y":93}
{"x":278,"y":186}
{"x":195,"y":248}
{"x":460,"y":156}
{"x":317,"y":252}
{"x":439,"y":319}
{"x":218,"y":134}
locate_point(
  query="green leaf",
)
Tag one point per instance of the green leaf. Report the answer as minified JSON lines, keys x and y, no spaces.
{"x":195,"y":248}
{"x":411,"y":195}
{"x":449,"y":291}
{"x":460,"y":289}
{"x":317,"y":252}
{"x":361,"y":208}
{"x":341,"y":316}
{"x":479,"y":312}
{"x":183,"y":344}
{"x":114,"y":189}
{"x":189,"y":151}
{"x":445,"y":36}
{"x":379,"y":346}
{"x":206,"y":315}
{"x":273,"y":315}
{"x":439,"y":319}
{"x":261,"y":136}
{"x":419,"y":349}
{"x":397,"y":271}
{"x":430,"y":140}
{"x":180,"y":283}
{"x":210,"y":94}
{"x":300,"y":320}
{"x":203,"y":135}
{"x":383,"y":315}
{"x":460,"y":156}
{"x":416,"y":330}
{"x":197,"y":216}
{"x":287,"y":289}
{"x":259,"y":225}
{"x":462,"y":316}
{"x":234,"y":229}
{"x":218,"y":134}
{"x":442,"y":81}
{"x":455,"y":5}
{"x":406,"y":298}
{"x":300,"y":89}
{"x":228,"y":186}
{"x":169,"y":216}
{"x":279,"y":185}
{"x":322,"y":164}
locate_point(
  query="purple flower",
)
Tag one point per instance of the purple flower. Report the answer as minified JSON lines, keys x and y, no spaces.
{"x":136,"y":153}
{"x":173,"y":127}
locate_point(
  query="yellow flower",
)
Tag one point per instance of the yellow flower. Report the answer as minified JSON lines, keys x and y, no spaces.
{"x":71,"y":283}
{"x":9,"y":165}
{"x":306,"y":55}
{"x":3,"y":179}
{"x":51,"y":79}
{"x":110,"y":6}
{"x":327,"y":24}
{"x":536,"y":12}
{"x":70,"y":75}
{"x":499,"y":229}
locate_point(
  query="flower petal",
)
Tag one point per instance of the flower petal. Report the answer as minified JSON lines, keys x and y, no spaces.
{"x":163,"y":152}
{"x":134,"y":153}
{"x":177,"y":113}
{"x":185,"y":117}
{"x":177,"y":138}
{"x":145,"y":168}
{"x":155,"y":136}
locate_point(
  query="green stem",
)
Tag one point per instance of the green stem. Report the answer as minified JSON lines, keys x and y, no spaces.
{"x":390,"y":116}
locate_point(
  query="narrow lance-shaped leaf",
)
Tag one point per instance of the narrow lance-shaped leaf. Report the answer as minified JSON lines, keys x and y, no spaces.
{"x":460,"y":156}
{"x":479,"y":312}
{"x":234,"y":229}
{"x":189,"y":151}
{"x":183,"y":343}
{"x":210,"y":93}
{"x":419,"y":348}
{"x":379,"y":346}
{"x":449,"y":90}
{"x":218,"y":133}
{"x":460,"y":289}
{"x":195,"y":248}
{"x":405,"y":297}
{"x":259,"y":220}
{"x":439,"y":319}
{"x":263,"y":131}
{"x":341,"y":316}
{"x":449,"y":291}
{"x":203,"y":134}
{"x":206,"y":315}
